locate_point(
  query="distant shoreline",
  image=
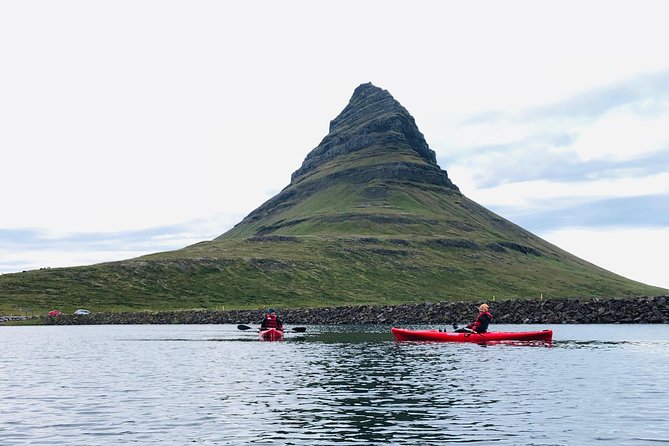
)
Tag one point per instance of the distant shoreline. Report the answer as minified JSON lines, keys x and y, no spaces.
{"x":635,"y":310}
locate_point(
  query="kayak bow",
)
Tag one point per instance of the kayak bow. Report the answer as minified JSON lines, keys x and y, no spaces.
{"x":402,"y":334}
{"x":271,"y":334}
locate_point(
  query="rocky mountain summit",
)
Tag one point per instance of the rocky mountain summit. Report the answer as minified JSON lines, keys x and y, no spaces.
{"x":372,"y":117}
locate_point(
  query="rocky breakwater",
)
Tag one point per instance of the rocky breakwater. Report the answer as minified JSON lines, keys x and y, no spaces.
{"x":12,"y":318}
{"x":639,"y":310}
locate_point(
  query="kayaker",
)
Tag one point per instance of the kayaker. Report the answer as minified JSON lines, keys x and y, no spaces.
{"x":271,"y":321}
{"x":480,"y":325}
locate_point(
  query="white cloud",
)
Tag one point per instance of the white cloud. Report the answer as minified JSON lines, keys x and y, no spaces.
{"x":637,"y":254}
{"x":622,"y":135}
{"x":544,"y":193}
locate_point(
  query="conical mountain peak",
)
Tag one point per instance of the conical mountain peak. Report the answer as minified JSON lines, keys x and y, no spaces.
{"x":373,"y":162}
{"x":371,"y":118}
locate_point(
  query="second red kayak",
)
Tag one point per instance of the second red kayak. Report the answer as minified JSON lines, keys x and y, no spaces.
{"x":271,"y":334}
{"x":402,"y":334}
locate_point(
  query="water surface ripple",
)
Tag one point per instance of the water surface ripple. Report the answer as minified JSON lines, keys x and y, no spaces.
{"x":215,"y":385}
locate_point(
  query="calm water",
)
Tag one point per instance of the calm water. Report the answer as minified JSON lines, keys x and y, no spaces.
{"x":215,"y":385}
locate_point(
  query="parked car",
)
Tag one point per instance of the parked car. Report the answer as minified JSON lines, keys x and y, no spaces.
{"x":82,"y":311}
{"x":54,"y":313}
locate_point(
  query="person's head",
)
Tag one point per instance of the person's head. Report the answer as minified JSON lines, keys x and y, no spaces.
{"x":271,"y":311}
{"x":483,"y":308}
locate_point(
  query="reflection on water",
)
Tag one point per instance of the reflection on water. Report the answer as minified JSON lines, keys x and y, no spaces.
{"x":330,"y":385}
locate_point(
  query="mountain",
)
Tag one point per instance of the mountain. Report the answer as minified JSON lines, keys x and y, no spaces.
{"x":369,"y":218}
{"x":373,"y":174}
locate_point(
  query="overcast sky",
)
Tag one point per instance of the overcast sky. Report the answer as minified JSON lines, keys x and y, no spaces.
{"x":132,"y":127}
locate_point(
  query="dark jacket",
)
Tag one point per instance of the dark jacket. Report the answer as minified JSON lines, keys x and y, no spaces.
{"x":481,"y":323}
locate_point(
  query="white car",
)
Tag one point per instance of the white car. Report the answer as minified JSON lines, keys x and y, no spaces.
{"x":80,"y":311}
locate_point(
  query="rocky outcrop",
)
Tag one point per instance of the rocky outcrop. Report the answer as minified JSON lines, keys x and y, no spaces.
{"x":639,"y":310}
{"x":372,"y":116}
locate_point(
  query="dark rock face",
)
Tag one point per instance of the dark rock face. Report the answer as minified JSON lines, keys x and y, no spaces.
{"x":372,"y":116}
{"x":639,"y":310}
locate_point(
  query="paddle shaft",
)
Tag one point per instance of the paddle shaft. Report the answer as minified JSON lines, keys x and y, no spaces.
{"x":295,"y":329}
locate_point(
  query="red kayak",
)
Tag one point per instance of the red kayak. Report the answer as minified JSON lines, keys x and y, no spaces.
{"x":402,"y":334}
{"x":271,"y":334}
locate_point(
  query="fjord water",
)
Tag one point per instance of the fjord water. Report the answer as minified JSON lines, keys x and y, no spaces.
{"x":215,"y":385}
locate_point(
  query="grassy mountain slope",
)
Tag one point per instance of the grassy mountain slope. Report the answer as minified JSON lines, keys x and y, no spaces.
{"x":368,"y":218}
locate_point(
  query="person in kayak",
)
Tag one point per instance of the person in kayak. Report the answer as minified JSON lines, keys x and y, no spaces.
{"x":480,"y":325}
{"x":271,"y":321}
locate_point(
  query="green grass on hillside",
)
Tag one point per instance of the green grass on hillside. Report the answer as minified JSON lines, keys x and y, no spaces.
{"x":308,"y":272}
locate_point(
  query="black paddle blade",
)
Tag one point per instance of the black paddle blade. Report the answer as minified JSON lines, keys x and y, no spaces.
{"x":455,"y":326}
{"x":299,"y":329}
{"x":243,"y":327}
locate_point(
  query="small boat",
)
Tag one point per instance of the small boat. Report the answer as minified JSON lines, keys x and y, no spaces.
{"x":402,"y":334}
{"x":271,"y":334}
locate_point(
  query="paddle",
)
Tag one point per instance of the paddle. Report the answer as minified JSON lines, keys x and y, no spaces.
{"x":295,"y":329}
{"x":467,"y":333}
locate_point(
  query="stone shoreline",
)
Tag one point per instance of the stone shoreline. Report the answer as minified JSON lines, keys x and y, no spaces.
{"x":638,"y":310}
{"x":13,"y":318}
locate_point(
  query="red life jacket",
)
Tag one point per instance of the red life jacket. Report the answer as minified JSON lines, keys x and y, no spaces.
{"x":270,"y":322}
{"x":482,"y":322}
